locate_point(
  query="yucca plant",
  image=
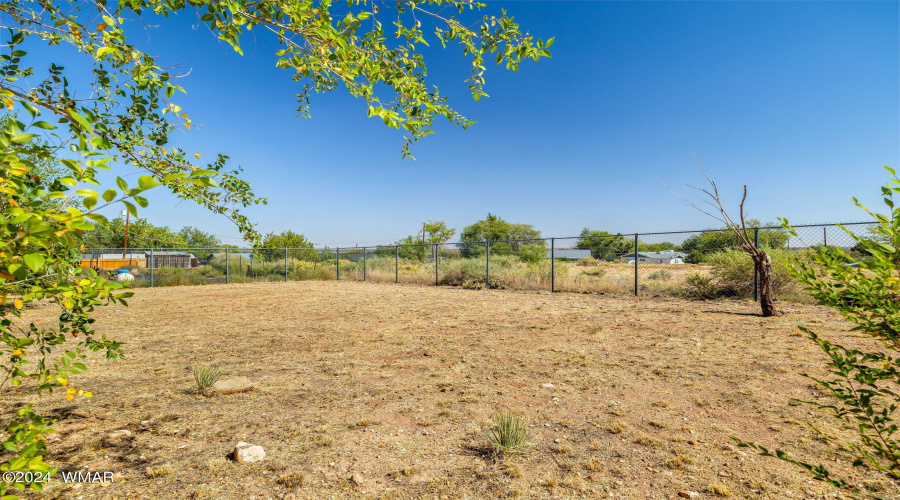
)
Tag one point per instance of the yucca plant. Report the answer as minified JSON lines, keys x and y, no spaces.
{"x":509,"y":435}
{"x":205,"y":376}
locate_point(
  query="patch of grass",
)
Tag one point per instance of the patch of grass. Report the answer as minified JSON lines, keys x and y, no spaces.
{"x":719,"y":489}
{"x":661,"y":404}
{"x":159,"y":470}
{"x":292,"y":480}
{"x":679,"y":462}
{"x":509,"y":435}
{"x":561,"y":449}
{"x":594,"y":464}
{"x":617,"y":427}
{"x":205,"y":376}
{"x":658,"y":424}
{"x":217,"y":464}
{"x":647,"y":440}
{"x":511,"y":469}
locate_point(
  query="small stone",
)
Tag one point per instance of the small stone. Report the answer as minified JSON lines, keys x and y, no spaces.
{"x":247,"y":453}
{"x":724,"y":474}
{"x":356,"y":479}
{"x":548,"y":385}
{"x":688,"y":494}
{"x":233,"y":385}
{"x":557,"y":440}
{"x":289,"y":496}
{"x":118,"y":435}
{"x":728,"y":447}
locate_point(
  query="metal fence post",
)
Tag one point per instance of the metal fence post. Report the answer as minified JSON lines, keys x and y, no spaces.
{"x":487,"y":266}
{"x":635,"y":264}
{"x":364,"y":263}
{"x":227,"y":267}
{"x":552,"y":265}
{"x":337,"y":263}
{"x":285,"y":264}
{"x":396,"y":263}
{"x":436,"y":259}
{"x":755,"y":272}
{"x":151,"y":268}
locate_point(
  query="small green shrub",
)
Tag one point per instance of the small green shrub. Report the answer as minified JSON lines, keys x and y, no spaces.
{"x":588,"y":261}
{"x":700,"y":286}
{"x":508,"y":435}
{"x":205,"y":376}
{"x":596,"y":272}
{"x":660,"y":275}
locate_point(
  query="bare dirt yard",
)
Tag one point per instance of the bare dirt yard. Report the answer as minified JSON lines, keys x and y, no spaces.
{"x":369,"y":390}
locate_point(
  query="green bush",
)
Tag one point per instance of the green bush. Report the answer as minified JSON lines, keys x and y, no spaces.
{"x":863,"y":385}
{"x":660,"y":275}
{"x":732,"y":274}
{"x":509,"y":435}
{"x":700,"y":286}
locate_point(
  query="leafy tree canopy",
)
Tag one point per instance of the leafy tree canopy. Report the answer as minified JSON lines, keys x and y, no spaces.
{"x":603,"y":244}
{"x":285,"y":239}
{"x":505,"y":237}
{"x":141,"y":234}
{"x":195,"y":238}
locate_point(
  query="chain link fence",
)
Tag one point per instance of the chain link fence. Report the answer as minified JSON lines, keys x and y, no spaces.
{"x":706,"y":264}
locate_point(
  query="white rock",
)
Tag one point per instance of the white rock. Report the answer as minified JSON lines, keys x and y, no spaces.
{"x":121,"y":278}
{"x":247,"y":453}
{"x":117,"y":435}
{"x":548,"y":386}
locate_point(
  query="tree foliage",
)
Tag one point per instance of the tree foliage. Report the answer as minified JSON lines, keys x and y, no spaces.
{"x":700,"y":245}
{"x":505,"y":237}
{"x":603,"y":244}
{"x":128,"y":117}
{"x":863,"y":384}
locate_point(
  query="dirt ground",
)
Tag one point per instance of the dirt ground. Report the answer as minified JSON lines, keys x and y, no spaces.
{"x":368,"y":390}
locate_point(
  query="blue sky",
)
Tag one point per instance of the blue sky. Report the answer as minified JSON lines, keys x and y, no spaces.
{"x":798,"y":100}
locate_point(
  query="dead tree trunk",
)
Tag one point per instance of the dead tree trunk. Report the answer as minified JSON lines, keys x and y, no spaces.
{"x":761,"y":260}
{"x":763,"y":266}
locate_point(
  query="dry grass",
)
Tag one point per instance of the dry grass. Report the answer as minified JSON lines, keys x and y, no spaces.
{"x":347,"y":373}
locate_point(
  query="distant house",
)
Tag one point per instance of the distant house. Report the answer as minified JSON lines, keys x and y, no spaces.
{"x":569,"y":254}
{"x":663,"y":257}
{"x":171,"y":259}
{"x":108,"y":261}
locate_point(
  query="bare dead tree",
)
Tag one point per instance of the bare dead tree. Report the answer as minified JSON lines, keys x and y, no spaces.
{"x":761,"y":260}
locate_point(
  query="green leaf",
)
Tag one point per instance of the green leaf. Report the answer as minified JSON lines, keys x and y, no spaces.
{"x":131,"y":208}
{"x":34,"y":261}
{"x":109,"y":195}
{"x":147,"y":182}
{"x":81,"y":121}
{"x":43,"y":125}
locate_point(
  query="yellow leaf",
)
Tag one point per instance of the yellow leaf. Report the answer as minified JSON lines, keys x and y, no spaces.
{"x":63,"y":381}
{"x":70,"y":397}
{"x":70,"y":391}
{"x":88,"y":395}
{"x":69,"y":304}
{"x":17,"y":352}
{"x":184,"y":115}
{"x":102,"y":26}
{"x":18,"y":303}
